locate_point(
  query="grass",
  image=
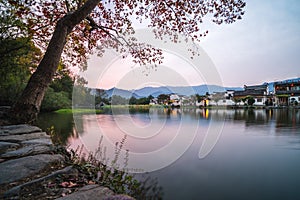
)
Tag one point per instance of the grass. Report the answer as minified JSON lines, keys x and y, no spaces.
{"x":93,"y":168}
{"x":105,"y":109}
{"x":119,"y":181}
{"x":78,"y":111}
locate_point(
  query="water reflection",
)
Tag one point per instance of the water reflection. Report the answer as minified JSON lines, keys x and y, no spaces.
{"x":282,"y":120}
{"x":279,"y":120}
{"x":62,"y":126}
{"x":251,"y":142}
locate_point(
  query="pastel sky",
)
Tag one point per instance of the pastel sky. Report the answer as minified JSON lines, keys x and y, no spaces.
{"x":262,"y":47}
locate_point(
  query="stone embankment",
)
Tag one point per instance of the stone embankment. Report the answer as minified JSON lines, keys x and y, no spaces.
{"x":31,"y":167}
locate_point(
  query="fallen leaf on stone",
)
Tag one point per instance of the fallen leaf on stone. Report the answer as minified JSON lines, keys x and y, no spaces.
{"x":71,"y":184}
{"x":64,"y":184}
{"x":91,"y":183}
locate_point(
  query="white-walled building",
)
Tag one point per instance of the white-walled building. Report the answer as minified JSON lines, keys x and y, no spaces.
{"x":175,"y":100}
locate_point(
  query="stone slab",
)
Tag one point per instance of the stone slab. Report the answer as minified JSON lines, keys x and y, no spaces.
{"x":15,"y":191}
{"x":18,"y":129}
{"x":20,"y":138}
{"x":17,"y":169}
{"x":4,"y":146}
{"x":28,"y":150}
{"x":89,"y":192}
{"x":95,"y":192}
{"x":46,"y":141}
{"x":119,"y":197}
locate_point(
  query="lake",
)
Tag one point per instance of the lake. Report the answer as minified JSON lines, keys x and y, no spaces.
{"x":197,"y":153}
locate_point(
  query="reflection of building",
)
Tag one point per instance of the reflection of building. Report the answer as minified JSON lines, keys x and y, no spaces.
{"x":258,"y":92}
{"x":287,"y":92}
{"x":274,"y":120}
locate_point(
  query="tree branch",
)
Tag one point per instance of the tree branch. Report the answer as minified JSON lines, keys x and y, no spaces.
{"x":67,"y":6}
{"x":81,"y":13}
{"x":116,"y":37}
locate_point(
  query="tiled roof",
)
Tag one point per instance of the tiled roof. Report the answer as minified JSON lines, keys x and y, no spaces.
{"x":250,"y":93}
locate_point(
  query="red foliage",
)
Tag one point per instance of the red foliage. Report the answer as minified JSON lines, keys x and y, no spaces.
{"x":112,"y":21}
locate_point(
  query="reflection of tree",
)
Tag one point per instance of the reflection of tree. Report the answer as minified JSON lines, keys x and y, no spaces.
{"x":250,"y":117}
{"x":287,"y":118}
{"x":78,"y":122}
{"x":172,"y":112}
{"x":63,"y":123}
{"x":239,"y":114}
{"x":62,"y":126}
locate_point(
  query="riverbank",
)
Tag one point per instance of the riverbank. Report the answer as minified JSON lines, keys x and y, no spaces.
{"x":32,"y":167}
{"x":108,"y":109}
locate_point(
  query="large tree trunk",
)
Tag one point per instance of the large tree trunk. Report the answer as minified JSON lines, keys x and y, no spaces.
{"x":27,"y":107}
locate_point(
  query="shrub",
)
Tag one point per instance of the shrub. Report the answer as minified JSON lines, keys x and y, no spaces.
{"x":55,"y":100}
{"x":251,"y":101}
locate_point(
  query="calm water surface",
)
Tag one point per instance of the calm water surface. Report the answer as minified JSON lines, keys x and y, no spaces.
{"x":257,"y":155}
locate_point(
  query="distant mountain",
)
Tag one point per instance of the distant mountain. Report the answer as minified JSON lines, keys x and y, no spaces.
{"x":123,"y":93}
{"x":181,"y":90}
{"x":154,"y":91}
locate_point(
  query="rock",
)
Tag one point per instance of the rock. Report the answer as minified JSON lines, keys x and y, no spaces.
{"x":4,"y":108}
{"x":120,"y":197}
{"x":15,"y":191}
{"x":4,"y":146}
{"x":26,"y":167}
{"x":95,"y":192}
{"x":34,"y":148}
{"x":46,"y":141}
{"x":28,"y":150}
{"x":90,"y":192}
{"x":20,"y":138}
{"x":18,"y":129}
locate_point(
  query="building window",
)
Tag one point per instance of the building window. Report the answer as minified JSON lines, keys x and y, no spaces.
{"x":259,"y":100}
{"x":295,"y":88}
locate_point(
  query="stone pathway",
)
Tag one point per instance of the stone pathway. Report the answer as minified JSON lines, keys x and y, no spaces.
{"x":28,"y":160}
